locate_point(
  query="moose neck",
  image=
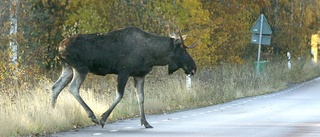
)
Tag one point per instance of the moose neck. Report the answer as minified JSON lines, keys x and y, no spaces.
{"x":161,"y":51}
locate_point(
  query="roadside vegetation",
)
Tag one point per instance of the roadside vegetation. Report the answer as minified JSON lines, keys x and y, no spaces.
{"x":26,"y":110}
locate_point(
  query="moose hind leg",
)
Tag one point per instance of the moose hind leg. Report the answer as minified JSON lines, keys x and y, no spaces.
{"x":139,"y":84}
{"x":61,"y":83}
{"x":76,"y":82}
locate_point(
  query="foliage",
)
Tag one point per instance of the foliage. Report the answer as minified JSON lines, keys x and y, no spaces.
{"x":296,"y":21}
{"x":221,"y":30}
{"x":157,"y":17}
{"x":42,"y":29}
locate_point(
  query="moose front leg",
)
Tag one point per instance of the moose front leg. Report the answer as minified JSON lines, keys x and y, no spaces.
{"x":122,"y":81}
{"x":139,"y":84}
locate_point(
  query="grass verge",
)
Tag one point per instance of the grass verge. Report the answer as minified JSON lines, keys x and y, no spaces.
{"x":26,"y":110}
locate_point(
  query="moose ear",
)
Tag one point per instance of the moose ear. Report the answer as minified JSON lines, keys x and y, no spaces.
{"x":173,"y":35}
{"x":184,"y":37}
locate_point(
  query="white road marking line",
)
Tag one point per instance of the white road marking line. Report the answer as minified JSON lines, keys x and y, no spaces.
{"x":97,"y":134}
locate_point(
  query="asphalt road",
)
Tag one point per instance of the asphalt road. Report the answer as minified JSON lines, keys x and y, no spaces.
{"x":293,"y":112}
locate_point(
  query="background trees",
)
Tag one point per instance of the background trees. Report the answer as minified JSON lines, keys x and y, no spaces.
{"x":221,"y":27}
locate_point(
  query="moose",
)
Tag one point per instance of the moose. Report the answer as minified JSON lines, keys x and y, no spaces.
{"x":126,"y":52}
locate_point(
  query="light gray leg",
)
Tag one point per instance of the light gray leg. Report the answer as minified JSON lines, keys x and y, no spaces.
{"x":76,"y":82}
{"x":122,"y":81}
{"x":139,"y":84}
{"x":61,"y":83}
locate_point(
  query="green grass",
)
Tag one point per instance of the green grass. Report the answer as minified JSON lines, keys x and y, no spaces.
{"x":25,"y":108}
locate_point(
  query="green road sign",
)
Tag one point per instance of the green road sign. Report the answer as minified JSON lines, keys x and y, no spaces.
{"x":265,"y":26}
{"x":261,"y":32}
{"x":265,"y":40}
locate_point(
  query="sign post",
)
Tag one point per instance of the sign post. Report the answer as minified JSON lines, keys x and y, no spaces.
{"x":289,"y":60}
{"x":261,"y":32}
{"x":188,"y":82}
{"x":314,"y":48}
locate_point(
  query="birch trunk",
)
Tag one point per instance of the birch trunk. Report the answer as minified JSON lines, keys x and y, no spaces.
{"x":275,"y":19}
{"x":13,"y":31}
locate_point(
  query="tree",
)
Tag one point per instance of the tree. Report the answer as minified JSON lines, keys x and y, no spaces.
{"x":42,"y":28}
{"x":296,"y":21}
{"x":222,"y":31}
{"x":230,"y":36}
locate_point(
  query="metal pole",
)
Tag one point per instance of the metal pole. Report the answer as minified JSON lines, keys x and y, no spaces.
{"x":259,"y":48}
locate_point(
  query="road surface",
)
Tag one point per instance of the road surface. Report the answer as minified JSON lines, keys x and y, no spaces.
{"x":293,"y":112}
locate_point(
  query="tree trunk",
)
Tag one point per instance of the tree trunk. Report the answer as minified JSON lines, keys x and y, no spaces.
{"x":275,"y":19}
{"x":13,"y":31}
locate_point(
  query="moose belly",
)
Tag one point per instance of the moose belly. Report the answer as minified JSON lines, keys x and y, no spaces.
{"x":100,"y":71}
{"x":140,"y":71}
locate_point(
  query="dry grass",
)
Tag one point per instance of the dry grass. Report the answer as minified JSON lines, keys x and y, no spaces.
{"x":26,"y":110}
{"x":29,"y":112}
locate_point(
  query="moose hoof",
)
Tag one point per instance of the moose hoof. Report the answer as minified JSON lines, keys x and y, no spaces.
{"x":102,"y":123}
{"x":145,"y":123}
{"x":95,"y":121}
{"x":148,"y":126}
{"x":53,"y":103}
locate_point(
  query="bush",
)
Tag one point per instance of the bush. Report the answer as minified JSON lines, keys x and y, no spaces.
{"x":25,"y":102}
